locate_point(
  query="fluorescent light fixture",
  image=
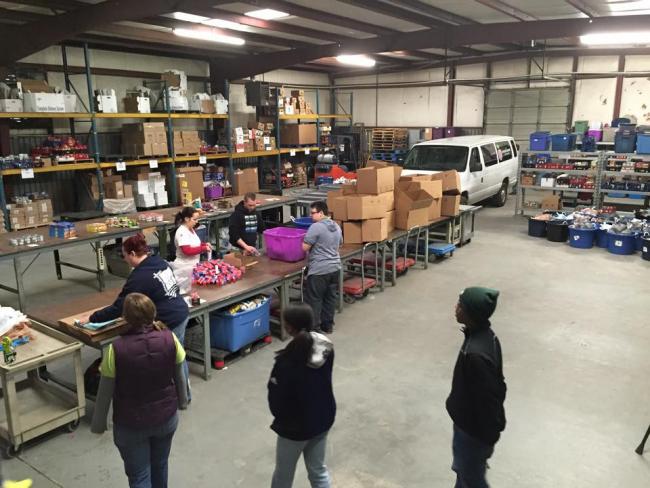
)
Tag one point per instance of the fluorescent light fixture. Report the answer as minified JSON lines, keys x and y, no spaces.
{"x":267,"y":14}
{"x":356,"y":60}
{"x":616,"y":38}
{"x":225,"y":24}
{"x":189,"y":17}
{"x":208,"y":35}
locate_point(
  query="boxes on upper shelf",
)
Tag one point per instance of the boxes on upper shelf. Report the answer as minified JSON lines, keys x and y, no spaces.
{"x":11,"y":105}
{"x":144,"y":139}
{"x":44,"y":102}
{"x":137,"y":105}
{"x":175,"y":78}
{"x":106,"y":101}
{"x":298,"y":134}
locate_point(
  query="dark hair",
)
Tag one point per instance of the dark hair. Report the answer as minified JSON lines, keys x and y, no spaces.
{"x":136,"y":244}
{"x":185,"y":213}
{"x":301,"y":318}
{"x":139,"y":311}
{"x":320,"y":206}
{"x":249,"y":196}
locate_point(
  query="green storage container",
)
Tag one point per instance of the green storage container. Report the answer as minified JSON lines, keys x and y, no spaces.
{"x":581,"y":126}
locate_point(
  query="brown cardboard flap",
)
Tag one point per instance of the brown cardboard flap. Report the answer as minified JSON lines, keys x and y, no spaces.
{"x":412,"y":200}
{"x":450,"y":181}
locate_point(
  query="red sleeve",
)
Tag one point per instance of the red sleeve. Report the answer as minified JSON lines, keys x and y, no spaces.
{"x":193,"y":250}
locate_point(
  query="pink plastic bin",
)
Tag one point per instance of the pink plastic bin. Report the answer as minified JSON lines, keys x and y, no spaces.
{"x":596,"y":134}
{"x":284,"y":244}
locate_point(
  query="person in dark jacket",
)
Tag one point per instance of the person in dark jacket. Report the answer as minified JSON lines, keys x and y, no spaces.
{"x":153,"y":277}
{"x":245,"y":223}
{"x":478,"y":389}
{"x":301,"y":400}
{"x":142,"y":373}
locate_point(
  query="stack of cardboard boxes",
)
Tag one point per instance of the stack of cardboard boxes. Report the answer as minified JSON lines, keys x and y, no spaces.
{"x":148,"y":188}
{"x":298,"y":134}
{"x":257,"y":137}
{"x":245,"y":180}
{"x":32,"y":214}
{"x":294,"y":104}
{"x":176,"y":81}
{"x":114,"y":188}
{"x":144,"y":139}
{"x":190,"y":184}
{"x":186,"y":142}
{"x":382,"y":200}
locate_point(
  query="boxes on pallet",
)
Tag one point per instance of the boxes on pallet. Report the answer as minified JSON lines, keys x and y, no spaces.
{"x":352,"y":233}
{"x":144,"y":139}
{"x":450,"y":205}
{"x":412,"y":209}
{"x":114,"y":189}
{"x":374,"y":230}
{"x":363,"y":207}
{"x":374,"y":181}
{"x":339,"y":208}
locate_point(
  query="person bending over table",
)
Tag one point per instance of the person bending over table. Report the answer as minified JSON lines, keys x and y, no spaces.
{"x":141,"y":371}
{"x":153,"y":277}
{"x":188,"y":247}
{"x":245,"y":223}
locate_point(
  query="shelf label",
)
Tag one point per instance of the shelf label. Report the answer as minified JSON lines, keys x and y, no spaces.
{"x":120,"y":166}
{"x":27,"y":173}
{"x":203,"y":160}
{"x":266,"y":140}
{"x":292,"y":152}
{"x":306,"y":151}
{"x":153,"y":163}
{"x":342,"y":147}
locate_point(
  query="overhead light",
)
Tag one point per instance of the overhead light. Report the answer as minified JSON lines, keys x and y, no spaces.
{"x":208,"y":35}
{"x":616,"y":38}
{"x":267,"y":14}
{"x":356,"y":60}
{"x":225,"y":24}
{"x":189,"y":17}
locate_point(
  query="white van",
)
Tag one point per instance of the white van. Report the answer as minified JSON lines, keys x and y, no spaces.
{"x":487,"y":164}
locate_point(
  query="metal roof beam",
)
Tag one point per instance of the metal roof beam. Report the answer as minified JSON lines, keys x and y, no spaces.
{"x":507,"y":9}
{"x":585,"y":7}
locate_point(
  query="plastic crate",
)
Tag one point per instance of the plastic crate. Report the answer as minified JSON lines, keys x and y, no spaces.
{"x":232,"y":332}
{"x":597,"y":134}
{"x":284,"y":244}
{"x":563,"y":142}
{"x":619,"y":121}
{"x":581,"y":126}
{"x":643,"y":144}
{"x":624,"y":142}
{"x":540,"y":141}
{"x":588,"y":144}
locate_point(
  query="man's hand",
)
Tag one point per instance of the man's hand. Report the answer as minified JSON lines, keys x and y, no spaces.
{"x":251,"y":251}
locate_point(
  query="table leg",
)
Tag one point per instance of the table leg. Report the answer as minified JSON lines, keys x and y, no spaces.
{"x":79,"y":380}
{"x":163,"y":233}
{"x":207,"y":355}
{"x":57,"y":264}
{"x":101,"y":264}
{"x":393,"y":272}
{"x":426,"y":247}
{"x":383,"y":266}
{"x":20,"y":287}
{"x":284,"y":302}
{"x":11,"y":408}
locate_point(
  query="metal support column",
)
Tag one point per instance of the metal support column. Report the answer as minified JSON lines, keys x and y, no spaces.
{"x":278,"y":176}
{"x":3,"y":203}
{"x":226,"y":94}
{"x":93,"y":128}
{"x":66,"y":77}
{"x":170,"y":147}
{"x":318,"y":140}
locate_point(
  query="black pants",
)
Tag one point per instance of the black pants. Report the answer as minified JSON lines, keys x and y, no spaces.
{"x":321,"y":295}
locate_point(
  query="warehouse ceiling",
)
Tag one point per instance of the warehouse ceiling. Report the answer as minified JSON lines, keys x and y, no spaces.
{"x":397,"y":34}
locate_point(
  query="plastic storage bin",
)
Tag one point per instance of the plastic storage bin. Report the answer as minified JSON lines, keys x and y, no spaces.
{"x":581,"y":238}
{"x":588,"y":144}
{"x":624,"y":142}
{"x":540,"y":141}
{"x":235,"y":331}
{"x":563,"y":142}
{"x":602,"y":238}
{"x":621,"y":243}
{"x":643,"y":144}
{"x":557,"y":231}
{"x":536,"y":228}
{"x":581,"y":126}
{"x":596,"y":134}
{"x":619,"y":121}
{"x":284,"y":244}
{"x":303,"y":222}
{"x":645,"y":248}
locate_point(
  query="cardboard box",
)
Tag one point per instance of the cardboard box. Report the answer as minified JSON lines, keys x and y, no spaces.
{"x":552,"y":202}
{"x":433,"y":188}
{"x":43,"y":102}
{"x":70,"y":102}
{"x":175,"y":78}
{"x":397,"y":170}
{"x":362,"y":207}
{"x":11,"y":105}
{"x":16,"y":220}
{"x":245,"y":181}
{"x":193,"y":178}
{"x":390,"y":219}
{"x":435,"y":209}
{"x":450,"y":181}
{"x":137,"y":105}
{"x":373,"y":181}
{"x":352,"y":233}
{"x":114,"y":189}
{"x":106,"y":104}
{"x":349,"y":189}
{"x":128,"y":191}
{"x":298,"y":134}
{"x":412,"y":200}
{"x":240,"y":260}
{"x":389,"y":200}
{"x":34,"y":86}
{"x":450,"y":205}
{"x":339,"y":208}
{"x":416,"y":178}
{"x":407,"y":219}
{"x":374,"y":230}
{"x":331,"y":195}
{"x":44,"y":207}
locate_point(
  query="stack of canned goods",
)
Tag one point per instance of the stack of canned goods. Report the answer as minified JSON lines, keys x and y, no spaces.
{"x":26,"y":240}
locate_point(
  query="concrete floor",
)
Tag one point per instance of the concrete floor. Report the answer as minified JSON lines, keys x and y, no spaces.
{"x":574,"y":329}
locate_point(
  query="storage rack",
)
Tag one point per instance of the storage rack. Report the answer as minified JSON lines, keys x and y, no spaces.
{"x":598,"y":173}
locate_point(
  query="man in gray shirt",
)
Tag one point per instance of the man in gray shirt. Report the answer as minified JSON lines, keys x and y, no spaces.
{"x":322,"y":242}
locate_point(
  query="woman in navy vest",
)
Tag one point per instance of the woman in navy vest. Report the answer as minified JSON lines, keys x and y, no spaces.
{"x":142,"y":372}
{"x":153,"y":277}
{"x":301,"y":400}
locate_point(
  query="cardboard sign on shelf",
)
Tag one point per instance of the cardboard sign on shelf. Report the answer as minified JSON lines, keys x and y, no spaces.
{"x":27,"y":173}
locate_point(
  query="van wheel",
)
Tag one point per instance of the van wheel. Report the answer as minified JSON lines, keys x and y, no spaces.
{"x":500,"y":199}
{"x":463,"y":199}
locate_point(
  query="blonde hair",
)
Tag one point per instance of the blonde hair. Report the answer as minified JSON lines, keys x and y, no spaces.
{"x":139,"y":310}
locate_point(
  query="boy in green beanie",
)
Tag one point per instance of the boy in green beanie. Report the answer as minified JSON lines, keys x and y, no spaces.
{"x":478,"y":389}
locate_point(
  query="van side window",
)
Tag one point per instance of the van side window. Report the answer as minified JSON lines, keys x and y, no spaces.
{"x":504,"y":151}
{"x":489,"y":155}
{"x":514,"y":147}
{"x":475,"y":161}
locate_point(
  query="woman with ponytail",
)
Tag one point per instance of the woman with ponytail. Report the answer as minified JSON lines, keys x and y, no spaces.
{"x":188,"y":247}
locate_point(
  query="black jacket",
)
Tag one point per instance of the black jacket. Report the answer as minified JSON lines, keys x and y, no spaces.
{"x":478,"y":389}
{"x":245,"y":225}
{"x":154,"y":278}
{"x":300,"y":395}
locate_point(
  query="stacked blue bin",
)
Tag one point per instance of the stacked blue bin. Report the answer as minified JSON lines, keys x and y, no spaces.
{"x":625,"y":139}
{"x":643,"y":144}
{"x":563,"y":142}
{"x":540,"y":141}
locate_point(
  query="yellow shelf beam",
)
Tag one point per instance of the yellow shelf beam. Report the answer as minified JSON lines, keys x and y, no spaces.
{"x":45,"y":115}
{"x":299,"y":116}
{"x":255,"y":154}
{"x":87,"y":115}
{"x":54,"y":169}
{"x":335,"y":116}
{"x":287,"y":150}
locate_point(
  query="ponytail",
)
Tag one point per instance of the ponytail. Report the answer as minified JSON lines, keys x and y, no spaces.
{"x":185,"y":213}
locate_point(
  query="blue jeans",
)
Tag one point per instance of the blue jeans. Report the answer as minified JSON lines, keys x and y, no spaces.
{"x":470,"y":460}
{"x":287,"y":454}
{"x":179,"y":331}
{"x":145,"y":453}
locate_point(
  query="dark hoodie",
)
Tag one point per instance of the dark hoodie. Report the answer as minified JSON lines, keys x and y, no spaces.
{"x":478,"y":389}
{"x":245,"y":225}
{"x":300,"y":393}
{"x":153,"y":277}
{"x":325,"y":238}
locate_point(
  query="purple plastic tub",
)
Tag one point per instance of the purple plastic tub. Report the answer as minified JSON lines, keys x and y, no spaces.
{"x":596,"y":134}
{"x":284,"y":244}
{"x":213,"y":192}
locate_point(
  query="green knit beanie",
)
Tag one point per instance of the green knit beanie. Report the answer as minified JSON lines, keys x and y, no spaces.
{"x":478,"y":302}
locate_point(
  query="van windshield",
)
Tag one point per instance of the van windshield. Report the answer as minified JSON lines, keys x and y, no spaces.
{"x":437,"y":158}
